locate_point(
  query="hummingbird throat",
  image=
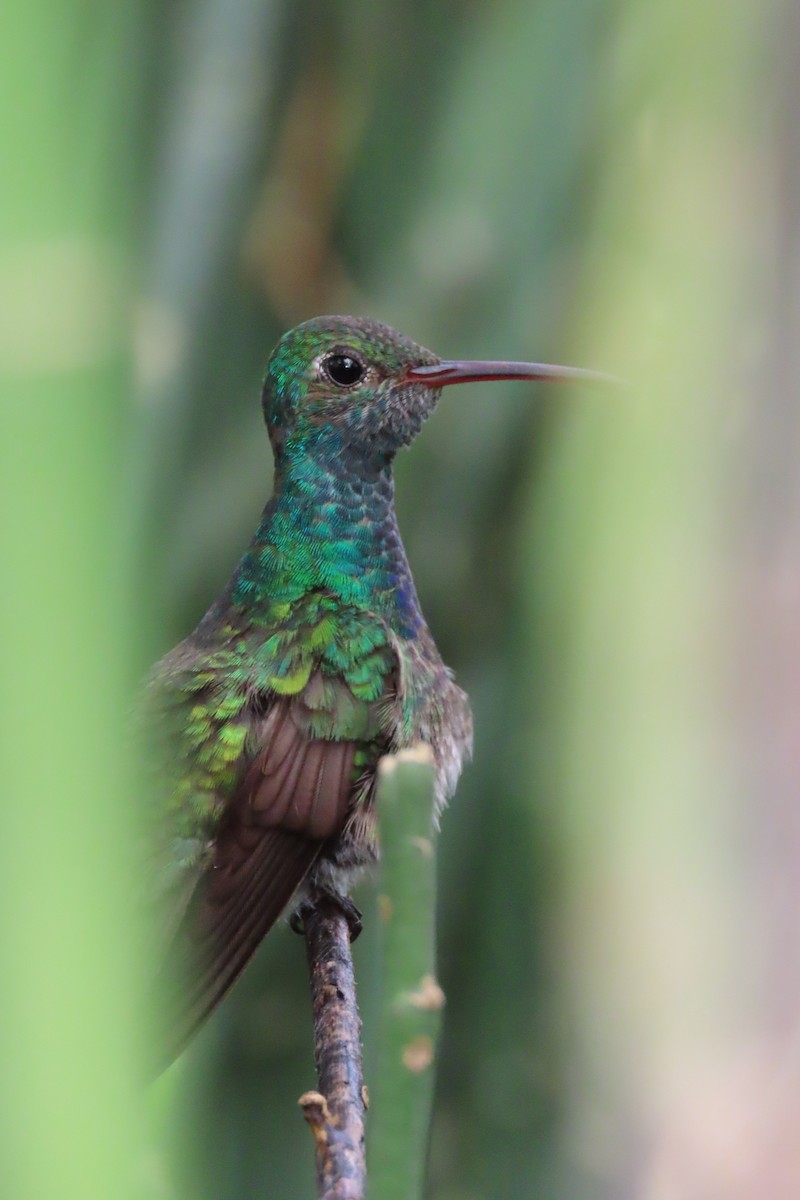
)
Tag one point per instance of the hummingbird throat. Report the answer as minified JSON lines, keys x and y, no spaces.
{"x":330,"y":524}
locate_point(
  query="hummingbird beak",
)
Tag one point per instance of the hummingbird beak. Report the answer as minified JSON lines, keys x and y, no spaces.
{"x":446,"y":372}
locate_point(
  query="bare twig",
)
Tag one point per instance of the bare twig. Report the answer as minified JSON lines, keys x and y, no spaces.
{"x":335,"y":1113}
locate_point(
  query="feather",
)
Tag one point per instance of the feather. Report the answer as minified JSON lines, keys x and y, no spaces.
{"x":302,"y":783}
{"x":295,"y":794}
{"x":221,"y":931}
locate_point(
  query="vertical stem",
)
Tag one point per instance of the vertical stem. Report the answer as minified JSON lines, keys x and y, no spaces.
{"x":336,"y":1112}
{"x":412,"y":999}
{"x":69,"y":942}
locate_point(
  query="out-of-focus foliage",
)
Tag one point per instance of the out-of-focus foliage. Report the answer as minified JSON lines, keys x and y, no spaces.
{"x":613,"y":577}
{"x":69,"y":940}
{"x":433,"y":169}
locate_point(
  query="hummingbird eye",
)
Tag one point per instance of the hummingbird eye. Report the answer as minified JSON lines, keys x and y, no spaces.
{"x":343,"y":369}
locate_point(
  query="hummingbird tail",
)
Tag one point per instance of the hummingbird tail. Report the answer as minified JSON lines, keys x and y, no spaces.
{"x":223,"y":925}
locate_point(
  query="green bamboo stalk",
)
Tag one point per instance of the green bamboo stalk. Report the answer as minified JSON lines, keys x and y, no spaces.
{"x":68,"y":943}
{"x":410,"y":1013}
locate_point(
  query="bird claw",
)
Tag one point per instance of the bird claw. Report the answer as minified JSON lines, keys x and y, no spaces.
{"x":297,"y":919}
{"x":350,"y":911}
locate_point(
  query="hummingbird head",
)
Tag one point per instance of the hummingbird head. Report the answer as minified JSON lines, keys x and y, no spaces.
{"x":349,"y":375}
{"x":369,"y":385}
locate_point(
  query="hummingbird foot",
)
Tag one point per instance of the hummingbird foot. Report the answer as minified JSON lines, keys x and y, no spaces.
{"x":321,"y":896}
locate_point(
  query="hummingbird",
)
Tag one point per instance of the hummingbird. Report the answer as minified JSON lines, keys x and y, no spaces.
{"x":267,"y":723}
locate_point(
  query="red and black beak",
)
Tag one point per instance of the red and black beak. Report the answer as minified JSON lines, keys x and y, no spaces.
{"x":442,"y":374}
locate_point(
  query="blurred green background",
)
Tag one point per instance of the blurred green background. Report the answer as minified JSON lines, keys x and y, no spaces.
{"x":614,"y":578}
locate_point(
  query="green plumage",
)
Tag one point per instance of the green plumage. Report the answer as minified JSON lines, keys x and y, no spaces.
{"x":266,"y":724}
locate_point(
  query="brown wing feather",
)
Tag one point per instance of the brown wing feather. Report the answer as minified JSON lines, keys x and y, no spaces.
{"x":217,"y":940}
{"x":296,"y":794}
{"x":297,"y":783}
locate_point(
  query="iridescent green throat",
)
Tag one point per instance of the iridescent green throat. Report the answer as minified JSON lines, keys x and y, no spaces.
{"x":330,"y":524}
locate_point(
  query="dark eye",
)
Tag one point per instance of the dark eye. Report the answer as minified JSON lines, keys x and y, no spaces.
{"x":343,"y":369}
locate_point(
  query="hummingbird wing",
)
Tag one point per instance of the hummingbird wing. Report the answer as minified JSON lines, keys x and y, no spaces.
{"x":296,"y":793}
{"x":265,"y":734}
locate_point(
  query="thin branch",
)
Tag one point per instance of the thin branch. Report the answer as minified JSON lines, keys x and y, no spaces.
{"x":335,"y":1113}
{"x":412,"y":999}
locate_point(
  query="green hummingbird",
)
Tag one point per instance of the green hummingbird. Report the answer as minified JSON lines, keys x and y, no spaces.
{"x":267,"y":723}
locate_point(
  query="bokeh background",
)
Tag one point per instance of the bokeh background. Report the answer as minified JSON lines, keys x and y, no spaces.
{"x":614,"y":577}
